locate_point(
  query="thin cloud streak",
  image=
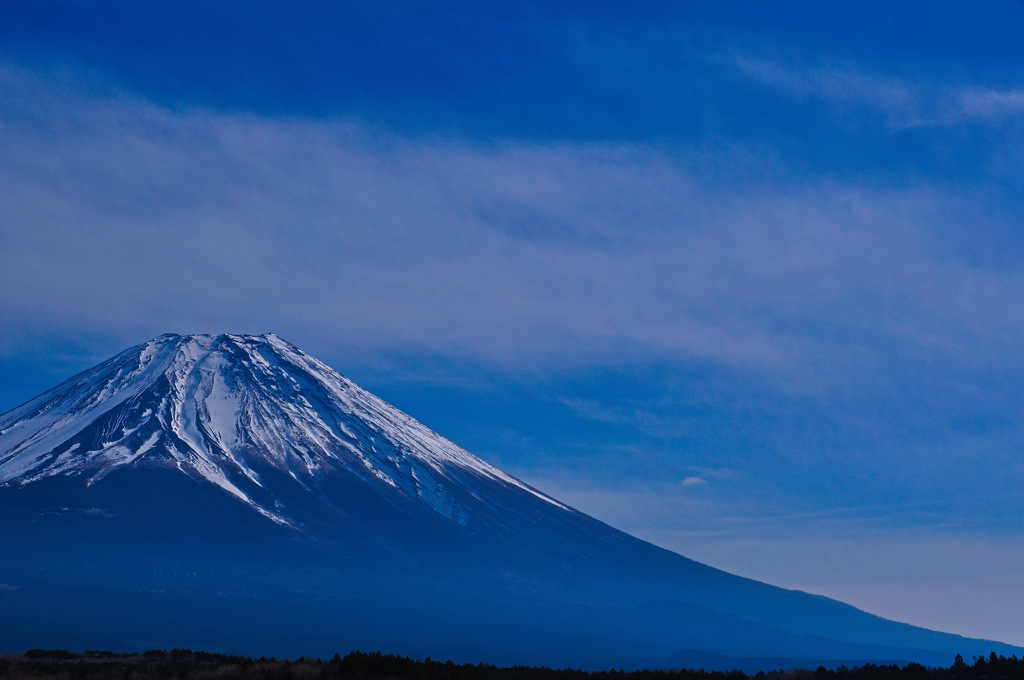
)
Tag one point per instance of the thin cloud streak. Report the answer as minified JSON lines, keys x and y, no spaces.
{"x":904,"y":103}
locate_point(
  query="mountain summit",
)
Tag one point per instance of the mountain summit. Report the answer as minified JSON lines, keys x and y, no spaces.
{"x":245,"y":413}
{"x":232,"y":493}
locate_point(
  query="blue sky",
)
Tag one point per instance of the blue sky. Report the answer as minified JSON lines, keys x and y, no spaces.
{"x":740,"y":278}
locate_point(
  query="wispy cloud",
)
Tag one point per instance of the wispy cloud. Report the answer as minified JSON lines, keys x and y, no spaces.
{"x":902,"y":102}
{"x":981,"y":104}
{"x":596,"y":411}
{"x":838,"y":86}
{"x":123,"y":215}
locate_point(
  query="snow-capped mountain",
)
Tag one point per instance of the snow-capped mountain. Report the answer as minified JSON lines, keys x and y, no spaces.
{"x":233,"y":493}
{"x":226,"y":409}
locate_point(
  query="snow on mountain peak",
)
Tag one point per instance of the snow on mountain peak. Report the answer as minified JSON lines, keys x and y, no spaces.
{"x":231,"y":409}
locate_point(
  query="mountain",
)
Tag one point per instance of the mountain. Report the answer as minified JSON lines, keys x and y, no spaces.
{"x":232,"y":493}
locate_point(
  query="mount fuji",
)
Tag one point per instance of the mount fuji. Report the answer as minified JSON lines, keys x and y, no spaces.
{"x":232,"y":493}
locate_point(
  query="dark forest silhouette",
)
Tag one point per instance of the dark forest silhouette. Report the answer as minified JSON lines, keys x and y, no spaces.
{"x":184,"y":664}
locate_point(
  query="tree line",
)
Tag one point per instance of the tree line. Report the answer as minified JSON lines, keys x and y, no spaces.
{"x":185,"y":664}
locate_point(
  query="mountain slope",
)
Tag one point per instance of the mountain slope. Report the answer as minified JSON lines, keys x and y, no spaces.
{"x":240,"y":474}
